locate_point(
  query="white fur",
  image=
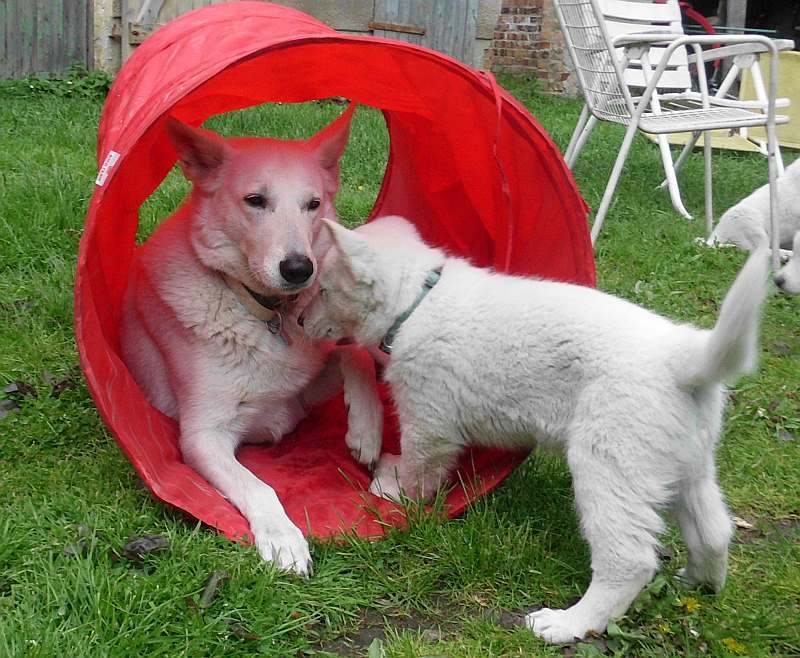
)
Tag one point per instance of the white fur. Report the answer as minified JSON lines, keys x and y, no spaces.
{"x":788,"y":277}
{"x":202,"y":358}
{"x":632,"y":399}
{"x":747,"y":225}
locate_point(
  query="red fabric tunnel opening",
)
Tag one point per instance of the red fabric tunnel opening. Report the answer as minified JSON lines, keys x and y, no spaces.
{"x":467,"y":164}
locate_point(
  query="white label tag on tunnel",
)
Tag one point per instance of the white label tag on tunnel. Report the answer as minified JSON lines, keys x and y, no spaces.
{"x":108,"y":163}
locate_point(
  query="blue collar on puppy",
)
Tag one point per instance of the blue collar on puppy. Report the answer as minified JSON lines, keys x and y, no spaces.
{"x":431,"y":280}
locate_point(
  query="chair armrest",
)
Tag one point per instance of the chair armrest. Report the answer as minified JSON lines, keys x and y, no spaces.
{"x":742,"y":49}
{"x":675,"y":40}
{"x":695,"y":42}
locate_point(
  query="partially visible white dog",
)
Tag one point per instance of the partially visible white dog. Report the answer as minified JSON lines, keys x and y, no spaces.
{"x":208,"y":328}
{"x":747,"y":225}
{"x":633,"y":400}
{"x":788,"y":277}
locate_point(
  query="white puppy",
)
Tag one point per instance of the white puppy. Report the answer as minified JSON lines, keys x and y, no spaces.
{"x":747,"y":225}
{"x":788,"y":277}
{"x":633,"y":400}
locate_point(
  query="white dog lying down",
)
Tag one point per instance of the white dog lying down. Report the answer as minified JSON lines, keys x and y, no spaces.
{"x":632,"y":399}
{"x":747,"y":225}
{"x":202,"y":329}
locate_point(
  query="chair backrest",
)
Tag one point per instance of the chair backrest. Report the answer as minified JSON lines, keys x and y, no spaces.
{"x":629,"y":16}
{"x":590,"y":25}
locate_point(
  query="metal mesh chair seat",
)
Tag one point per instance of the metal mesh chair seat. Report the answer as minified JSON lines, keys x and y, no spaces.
{"x":690,"y":120}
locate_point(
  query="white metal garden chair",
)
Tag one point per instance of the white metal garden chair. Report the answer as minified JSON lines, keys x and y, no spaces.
{"x":632,"y":61}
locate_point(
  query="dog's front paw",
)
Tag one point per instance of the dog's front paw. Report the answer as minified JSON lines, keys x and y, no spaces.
{"x":559,"y":626}
{"x":365,"y":435}
{"x":285,"y":547}
{"x":386,"y":482}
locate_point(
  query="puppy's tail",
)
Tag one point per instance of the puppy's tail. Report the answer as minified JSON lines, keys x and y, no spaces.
{"x":731,"y":348}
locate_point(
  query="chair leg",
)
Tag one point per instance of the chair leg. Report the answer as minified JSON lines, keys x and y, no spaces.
{"x":672,"y":180}
{"x":774,"y":201}
{"x":709,"y":198}
{"x":687,"y":149}
{"x":582,"y":119}
{"x":581,"y":141}
{"x":612,"y":181}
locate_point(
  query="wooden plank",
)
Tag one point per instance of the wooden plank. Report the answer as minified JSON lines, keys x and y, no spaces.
{"x":396,"y":27}
{"x":60,"y":42}
{"x":40,"y":37}
{"x":3,"y":49}
{"x":27,"y":22}
{"x":7,"y":64}
{"x":450,"y":15}
{"x":74,"y":33}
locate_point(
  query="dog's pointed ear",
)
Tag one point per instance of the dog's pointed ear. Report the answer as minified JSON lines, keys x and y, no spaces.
{"x":200,"y":153}
{"x":352,"y":247}
{"x":330,"y":142}
{"x":345,"y":240}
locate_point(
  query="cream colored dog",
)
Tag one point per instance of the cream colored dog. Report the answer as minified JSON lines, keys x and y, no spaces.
{"x":633,"y":400}
{"x":208,"y":329}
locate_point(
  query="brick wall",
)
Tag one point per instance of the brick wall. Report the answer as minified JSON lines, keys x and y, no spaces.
{"x":527,"y":39}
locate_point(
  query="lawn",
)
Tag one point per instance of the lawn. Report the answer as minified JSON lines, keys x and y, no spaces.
{"x":70,"y":500}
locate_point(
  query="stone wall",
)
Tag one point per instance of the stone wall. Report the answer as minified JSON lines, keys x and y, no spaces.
{"x":527,"y":39}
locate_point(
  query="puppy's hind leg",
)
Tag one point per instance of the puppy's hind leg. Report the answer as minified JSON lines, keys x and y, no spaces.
{"x":707,"y":530}
{"x":620,"y":522}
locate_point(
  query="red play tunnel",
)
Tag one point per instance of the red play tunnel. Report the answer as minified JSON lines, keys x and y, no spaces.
{"x":467,"y":164}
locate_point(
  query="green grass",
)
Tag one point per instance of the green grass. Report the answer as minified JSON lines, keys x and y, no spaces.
{"x":440,"y":589}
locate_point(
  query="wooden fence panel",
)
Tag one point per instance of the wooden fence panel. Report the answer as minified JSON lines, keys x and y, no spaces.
{"x":44,"y":36}
{"x":447,"y":26}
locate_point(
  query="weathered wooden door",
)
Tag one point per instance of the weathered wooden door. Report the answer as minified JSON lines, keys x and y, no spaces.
{"x":448,"y":26}
{"x":44,"y":36}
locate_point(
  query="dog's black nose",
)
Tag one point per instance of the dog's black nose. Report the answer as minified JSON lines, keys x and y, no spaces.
{"x":301,"y":319}
{"x":296,"y":268}
{"x":779,"y":280}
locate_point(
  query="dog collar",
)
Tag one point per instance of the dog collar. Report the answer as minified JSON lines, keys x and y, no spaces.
{"x":263,"y":307}
{"x":270,"y":303}
{"x":430,"y":281}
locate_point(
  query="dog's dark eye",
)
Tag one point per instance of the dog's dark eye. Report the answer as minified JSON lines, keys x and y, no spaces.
{"x":313,"y":204}
{"x":255,"y":201}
